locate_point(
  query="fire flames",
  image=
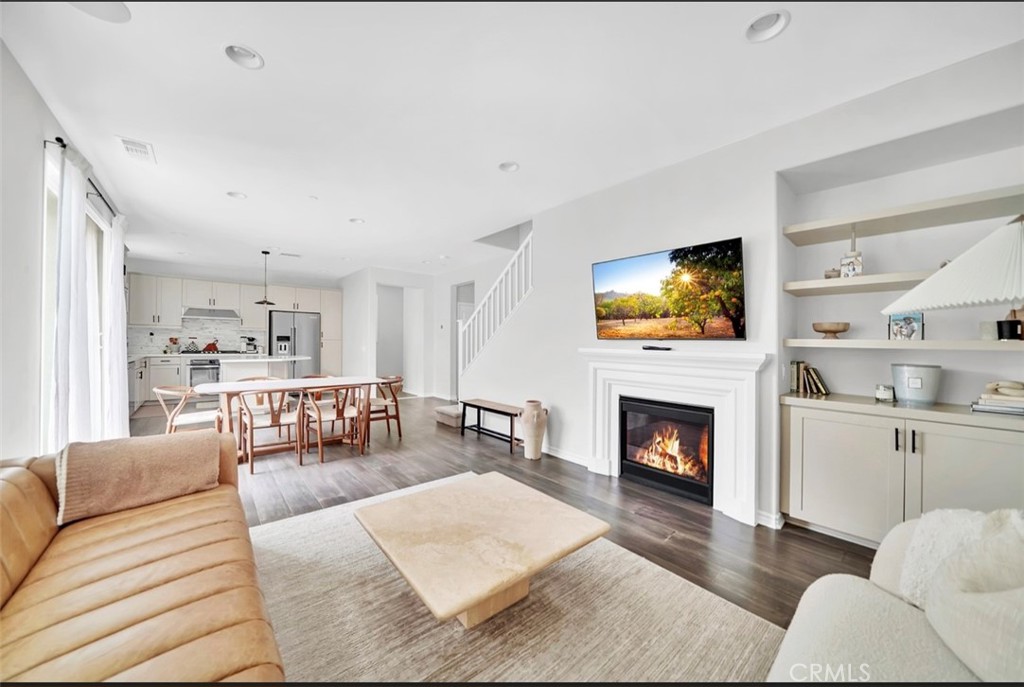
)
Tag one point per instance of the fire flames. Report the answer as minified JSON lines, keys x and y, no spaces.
{"x":665,"y":453}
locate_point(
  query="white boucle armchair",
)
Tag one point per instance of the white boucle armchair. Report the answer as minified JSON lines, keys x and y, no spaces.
{"x":850,"y":629}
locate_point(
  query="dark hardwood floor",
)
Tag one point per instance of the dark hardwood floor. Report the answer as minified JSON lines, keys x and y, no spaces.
{"x":762,"y":570}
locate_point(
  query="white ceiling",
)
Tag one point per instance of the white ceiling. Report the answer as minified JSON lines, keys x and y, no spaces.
{"x":400,"y":112}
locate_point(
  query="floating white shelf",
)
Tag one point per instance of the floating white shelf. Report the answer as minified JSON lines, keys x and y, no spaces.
{"x":1000,"y":202}
{"x":871,"y":283}
{"x":940,"y":345}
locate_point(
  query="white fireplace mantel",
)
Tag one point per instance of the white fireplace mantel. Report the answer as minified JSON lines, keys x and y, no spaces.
{"x":726,"y":382}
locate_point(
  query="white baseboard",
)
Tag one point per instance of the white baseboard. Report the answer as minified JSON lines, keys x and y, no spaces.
{"x":567,"y":456}
{"x":772,"y":520}
{"x":833,"y":533}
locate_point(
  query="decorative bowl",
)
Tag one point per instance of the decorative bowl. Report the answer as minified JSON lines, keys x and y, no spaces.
{"x":830,"y":329}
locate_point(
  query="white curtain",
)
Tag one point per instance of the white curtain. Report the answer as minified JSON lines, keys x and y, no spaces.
{"x":75,"y":413}
{"x":114,"y":352}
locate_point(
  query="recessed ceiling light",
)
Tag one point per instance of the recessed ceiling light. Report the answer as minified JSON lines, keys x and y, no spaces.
{"x":443,"y":257}
{"x":357,"y":220}
{"x":509,"y":166}
{"x":314,"y":198}
{"x":237,"y":195}
{"x":767,"y":26}
{"x":244,"y":57}
{"x":114,"y":12}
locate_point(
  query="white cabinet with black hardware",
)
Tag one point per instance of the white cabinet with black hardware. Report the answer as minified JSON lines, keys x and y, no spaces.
{"x":856,"y":468}
{"x":955,"y":466}
{"x":154,"y":301}
{"x":164,"y":372}
{"x":196,"y":293}
{"x":293,"y":298}
{"x":253,"y":316}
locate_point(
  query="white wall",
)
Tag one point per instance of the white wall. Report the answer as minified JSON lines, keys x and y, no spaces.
{"x":357,"y":330}
{"x":414,"y":363}
{"x":26,"y":121}
{"x":390,"y":326}
{"x":483,"y":276}
{"x":728,"y":192}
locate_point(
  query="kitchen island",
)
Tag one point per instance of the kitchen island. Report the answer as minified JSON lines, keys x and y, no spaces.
{"x":234,"y":368}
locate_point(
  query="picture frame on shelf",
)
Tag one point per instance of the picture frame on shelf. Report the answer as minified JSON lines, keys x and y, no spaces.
{"x":906,"y":326}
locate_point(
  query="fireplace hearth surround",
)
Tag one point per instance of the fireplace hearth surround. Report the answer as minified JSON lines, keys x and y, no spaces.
{"x":667,"y":445}
{"x":725,"y":382}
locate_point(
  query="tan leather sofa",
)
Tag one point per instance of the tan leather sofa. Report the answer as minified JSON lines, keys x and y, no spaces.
{"x":163,"y":592}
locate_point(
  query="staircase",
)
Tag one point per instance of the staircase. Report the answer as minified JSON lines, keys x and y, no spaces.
{"x":512,"y":287}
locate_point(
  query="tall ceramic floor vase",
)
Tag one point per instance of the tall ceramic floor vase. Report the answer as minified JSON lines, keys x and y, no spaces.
{"x":535,"y":422}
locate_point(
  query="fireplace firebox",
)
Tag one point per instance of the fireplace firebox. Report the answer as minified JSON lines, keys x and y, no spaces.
{"x":667,"y":445}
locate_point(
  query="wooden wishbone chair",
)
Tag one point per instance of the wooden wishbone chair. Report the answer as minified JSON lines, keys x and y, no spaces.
{"x":334,"y":405}
{"x":180,"y":396}
{"x":384,"y":405}
{"x":277,"y":416}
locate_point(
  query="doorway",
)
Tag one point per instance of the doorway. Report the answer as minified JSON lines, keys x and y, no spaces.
{"x":463,"y":304}
{"x":390,"y":330}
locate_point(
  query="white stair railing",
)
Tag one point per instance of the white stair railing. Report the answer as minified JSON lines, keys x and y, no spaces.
{"x":512,"y":287}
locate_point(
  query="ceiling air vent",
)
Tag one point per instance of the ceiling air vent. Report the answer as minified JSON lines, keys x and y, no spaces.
{"x":290,"y":255}
{"x":139,"y":150}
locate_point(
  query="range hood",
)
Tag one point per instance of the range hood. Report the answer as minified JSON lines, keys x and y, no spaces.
{"x":211,"y":314}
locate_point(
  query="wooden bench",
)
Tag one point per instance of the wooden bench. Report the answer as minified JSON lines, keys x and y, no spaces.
{"x":511,"y":412}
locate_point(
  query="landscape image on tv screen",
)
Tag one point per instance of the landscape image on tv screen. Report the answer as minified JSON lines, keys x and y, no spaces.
{"x":694,"y":292}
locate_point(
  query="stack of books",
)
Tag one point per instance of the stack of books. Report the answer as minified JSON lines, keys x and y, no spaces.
{"x":999,"y":403}
{"x":805,"y":379}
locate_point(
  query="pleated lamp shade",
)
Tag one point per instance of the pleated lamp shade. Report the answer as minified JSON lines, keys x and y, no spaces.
{"x":989,"y":273}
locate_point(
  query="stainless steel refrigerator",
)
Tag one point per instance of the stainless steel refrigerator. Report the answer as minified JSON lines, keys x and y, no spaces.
{"x":296,"y":333}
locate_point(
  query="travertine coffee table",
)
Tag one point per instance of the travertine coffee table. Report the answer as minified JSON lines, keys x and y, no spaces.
{"x":469,"y":548}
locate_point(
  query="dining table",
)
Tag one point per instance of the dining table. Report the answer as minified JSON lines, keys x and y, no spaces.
{"x":228,"y":392}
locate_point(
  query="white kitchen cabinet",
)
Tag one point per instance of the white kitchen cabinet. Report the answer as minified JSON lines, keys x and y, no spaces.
{"x":330,"y":332}
{"x":330,"y":357}
{"x":293,"y":298}
{"x":142,"y":383}
{"x":330,"y":314}
{"x":154,"y":301}
{"x":855,"y":467}
{"x":164,"y":372}
{"x":138,"y":391}
{"x":253,"y":316}
{"x":307,"y":300}
{"x":133,"y":386}
{"x":198,"y":293}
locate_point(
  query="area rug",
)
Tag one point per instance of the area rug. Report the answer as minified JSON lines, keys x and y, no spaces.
{"x":341,"y":612}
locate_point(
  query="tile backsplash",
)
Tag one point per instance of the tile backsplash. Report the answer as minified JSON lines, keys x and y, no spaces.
{"x":228,"y":334}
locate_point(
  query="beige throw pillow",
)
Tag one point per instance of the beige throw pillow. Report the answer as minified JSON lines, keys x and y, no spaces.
{"x":976,"y":601}
{"x":102,"y":477}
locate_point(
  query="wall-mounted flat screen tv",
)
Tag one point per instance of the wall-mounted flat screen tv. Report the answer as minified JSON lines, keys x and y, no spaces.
{"x":694,"y":292}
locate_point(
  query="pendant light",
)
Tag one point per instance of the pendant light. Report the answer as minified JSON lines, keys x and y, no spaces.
{"x":265,"y":301}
